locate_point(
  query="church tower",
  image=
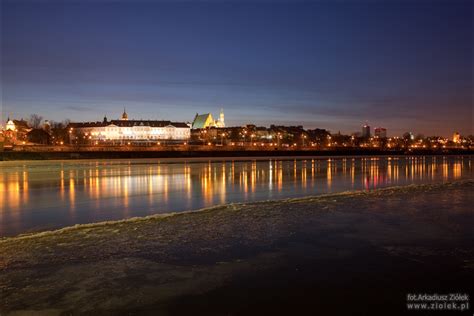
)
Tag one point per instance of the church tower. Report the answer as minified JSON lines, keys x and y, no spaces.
{"x":10,"y":126}
{"x":124,"y":115}
{"x":221,"y":118}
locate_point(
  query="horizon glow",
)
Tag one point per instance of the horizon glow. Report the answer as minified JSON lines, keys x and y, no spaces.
{"x":402,"y":65}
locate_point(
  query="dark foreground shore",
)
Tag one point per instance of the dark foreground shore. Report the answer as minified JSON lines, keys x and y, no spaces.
{"x":344,"y":254}
{"x":206,"y":152}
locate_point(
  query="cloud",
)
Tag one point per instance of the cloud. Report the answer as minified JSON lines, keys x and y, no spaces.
{"x":79,"y":108}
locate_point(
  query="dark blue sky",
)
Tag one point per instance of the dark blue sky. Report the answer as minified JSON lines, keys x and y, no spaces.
{"x":405,"y":65}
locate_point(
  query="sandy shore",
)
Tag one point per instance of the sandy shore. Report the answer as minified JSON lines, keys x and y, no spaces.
{"x":352,"y":252}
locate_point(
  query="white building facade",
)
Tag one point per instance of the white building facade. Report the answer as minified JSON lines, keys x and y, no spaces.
{"x":130,"y":130}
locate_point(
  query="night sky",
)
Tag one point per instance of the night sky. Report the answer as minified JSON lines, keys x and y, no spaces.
{"x":404,"y":65}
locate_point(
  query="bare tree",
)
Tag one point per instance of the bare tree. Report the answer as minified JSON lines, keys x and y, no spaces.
{"x":35,"y":120}
{"x":55,"y":124}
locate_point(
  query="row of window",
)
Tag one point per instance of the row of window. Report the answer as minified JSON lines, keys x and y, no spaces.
{"x":152,"y":137}
{"x":146,"y":128}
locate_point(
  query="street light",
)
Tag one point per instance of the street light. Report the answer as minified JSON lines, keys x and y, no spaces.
{"x":222,"y":138}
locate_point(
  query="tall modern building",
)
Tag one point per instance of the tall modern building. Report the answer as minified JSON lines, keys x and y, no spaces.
{"x":456,"y":137}
{"x":366,"y":131}
{"x":380,"y":132}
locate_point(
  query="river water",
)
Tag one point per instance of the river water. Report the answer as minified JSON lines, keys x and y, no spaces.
{"x":43,"y":195}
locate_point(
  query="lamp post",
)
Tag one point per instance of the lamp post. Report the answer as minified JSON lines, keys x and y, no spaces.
{"x":304,"y":137}
{"x":222,"y":138}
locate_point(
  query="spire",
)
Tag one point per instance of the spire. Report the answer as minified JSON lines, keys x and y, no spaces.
{"x":10,"y":125}
{"x":221,"y":118}
{"x":124,"y":115}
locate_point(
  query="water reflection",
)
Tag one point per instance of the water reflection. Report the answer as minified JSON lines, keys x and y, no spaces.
{"x":40,"y":195}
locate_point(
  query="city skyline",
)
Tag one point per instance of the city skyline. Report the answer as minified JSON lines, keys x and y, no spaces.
{"x":366,"y":126}
{"x":405,"y":66}
{"x":236,"y":157}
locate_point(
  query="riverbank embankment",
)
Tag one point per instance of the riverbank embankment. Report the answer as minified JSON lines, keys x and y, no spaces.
{"x":130,"y":152}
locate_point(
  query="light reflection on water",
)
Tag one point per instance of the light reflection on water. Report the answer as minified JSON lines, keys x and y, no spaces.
{"x":44,"y":195}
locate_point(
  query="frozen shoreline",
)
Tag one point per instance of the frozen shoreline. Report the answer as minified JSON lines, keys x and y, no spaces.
{"x":149,"y":262}
{"x":233,"y":206}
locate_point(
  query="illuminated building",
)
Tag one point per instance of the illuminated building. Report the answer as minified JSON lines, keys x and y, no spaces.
{"x":10,"y":126}
{"x":16,"y":130}
{"x":366,"y":131}
{"x":129,"y":130}
{"x":456,"y":137}
{"x":408,"y":136}
{"x":380,"y":132}
{"x":206,"y":120}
